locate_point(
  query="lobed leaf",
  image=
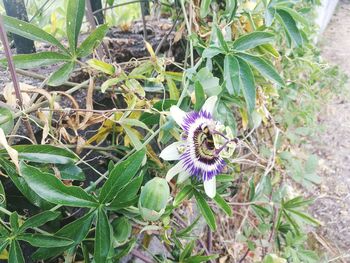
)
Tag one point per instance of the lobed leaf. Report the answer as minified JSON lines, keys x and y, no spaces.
{"x":264,"y":67}
{"x":76,"y":231}
{"x":120,"y":176}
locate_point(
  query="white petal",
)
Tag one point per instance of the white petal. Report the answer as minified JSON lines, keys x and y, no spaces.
{"x":210,"y":187}
{"x":177,"y":114}
{"x":171,"y":153}
{"x":183,"y":176}
{"x":209,"y":104}
{"x":177,"y":168}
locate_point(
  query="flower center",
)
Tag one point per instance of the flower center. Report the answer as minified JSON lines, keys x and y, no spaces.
{"x":204,"y":145}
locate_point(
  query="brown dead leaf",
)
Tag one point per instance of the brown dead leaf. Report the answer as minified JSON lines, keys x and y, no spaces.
{"x":10,"y":96}
{"x":89,"y":103}
{"x":80,"y":144}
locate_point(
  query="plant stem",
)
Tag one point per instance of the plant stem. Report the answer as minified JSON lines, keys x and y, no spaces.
{"x":14,"y":77}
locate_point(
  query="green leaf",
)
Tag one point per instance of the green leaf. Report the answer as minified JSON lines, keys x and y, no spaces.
{"x":92,"y":41}
{"x":221,"y":38}
{"x":30,"y":31}
{"x":133,"y":137}
{"x":102,"y":237}
{"x":305,"y":217}
{"x":224,"y":178}
{"x":22,"y":185}
{"x":297,"y":16}
{"x":39,"y":219}
{"x":74,"y":19}
{"x":289,"y":24}
{"x":204,"y":8}
{"x":183,"y":194}
{"x":6,"y":120}
{"x":187,"y":251}
{"x":188,"y":230}
{"x":76,"y":231}
{"x":70,"y":171}
{"x":134,"y":122}
{"x":127,"y":194}
{"x":231,"y":8}
{"x":297,"y":202}
{"x":269,"y":49}
{"x":61,"y":75}
{"x":44,"y":154}
{"x":231,"y":74}
{"x":247,"y":84}
{"x":39,"y":240}
{"x":112,"y":82}
{"x":53,"y":190}
{"x":211,"y":52}
{"x":253,"y":40}
{"x":105,"y":68}
{"x":205,"y":210}
{"x":14,"y":221}
{"x":35,"y":60}
{"x":3,"y":244}
{"x":125,"y":249}
{"x":200,"y":96}
{"x":15,"y":253}
{"x":209,"y":83}
{"x":264,"y":67}
{"x":120,"y":176}
{"x":223,"y":204}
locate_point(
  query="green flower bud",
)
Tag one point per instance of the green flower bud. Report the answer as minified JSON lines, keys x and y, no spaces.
{"x":153,"y":199}
{"x":121,"y":229}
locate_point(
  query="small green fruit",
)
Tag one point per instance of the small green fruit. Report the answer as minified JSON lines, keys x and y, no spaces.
{"x":153,"y":199}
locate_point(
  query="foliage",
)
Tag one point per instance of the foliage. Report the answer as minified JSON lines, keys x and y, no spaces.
{"x":256,"y":58}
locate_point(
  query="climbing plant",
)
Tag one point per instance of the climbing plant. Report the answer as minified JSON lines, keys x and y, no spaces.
{"x":201,"y":151}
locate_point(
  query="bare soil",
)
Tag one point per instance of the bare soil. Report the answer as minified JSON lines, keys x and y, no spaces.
{"x":332,"y":145}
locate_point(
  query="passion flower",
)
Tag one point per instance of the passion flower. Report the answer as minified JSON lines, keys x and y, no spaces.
{"x":204,"y":145}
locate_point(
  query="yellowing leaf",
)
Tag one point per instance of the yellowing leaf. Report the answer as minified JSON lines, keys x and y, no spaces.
{"x":150,"y":51}
{"x":153,"y":156}
{"x":12,"y":152}
{"x":4,"y":255}
{"x":245,"y":119}
{"x":101,"y":66}
{"x":173,"y":91}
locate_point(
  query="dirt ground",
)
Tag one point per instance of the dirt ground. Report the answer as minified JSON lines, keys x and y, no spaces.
{"x":333,"y":146}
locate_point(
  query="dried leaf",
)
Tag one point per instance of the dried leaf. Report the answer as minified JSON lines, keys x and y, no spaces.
{"x":89,"y":104}
{"x":10,"y":96}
